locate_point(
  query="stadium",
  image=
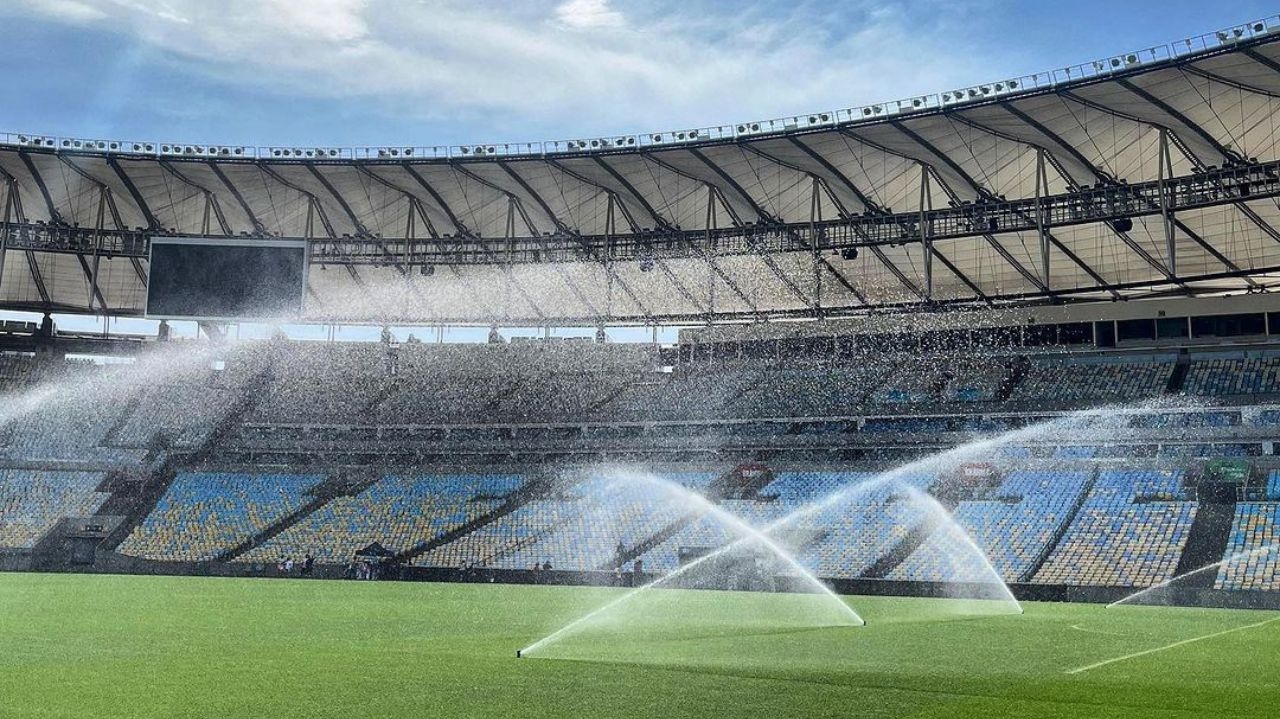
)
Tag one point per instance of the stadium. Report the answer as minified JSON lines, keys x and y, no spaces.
{"x":961,"y":405}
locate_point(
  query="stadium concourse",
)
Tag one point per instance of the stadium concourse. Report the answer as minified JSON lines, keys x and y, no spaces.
{"x":1045,"y":302}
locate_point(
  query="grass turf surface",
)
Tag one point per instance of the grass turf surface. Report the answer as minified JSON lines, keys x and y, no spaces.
{"x":116,"y":646}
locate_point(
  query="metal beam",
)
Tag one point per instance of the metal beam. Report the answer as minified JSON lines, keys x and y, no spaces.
{"x":1236,"y":84}
{"x":1196,"y":129}
{"x":906,"y":282}
{"x":844,"y":282}
{"x":951,"y":193}
{"x":615,"y":201}
{"x":1058,"y":140}
{"x":1191,"y":157}
{"x":538,"y":199}
{"x":105,"y":193}
{"x":459,"y":227}
{"x":867,"y":202}
{"x":152,"y":223}
{"x":342,"y":201}
{"x":37,"y":277}
{"x":1261,"y":59}
{"x":137,"y":269}
{"x":659,"y":221}
{"x":840,"y":209}
{"x":982,"y":192}
{"x":211,"y":197}
{"x":54,"y":215}
{"x":235,"y":192}
{"x":95,"y":292}
{"x":316,"y":204}
{"x":974,"y":288}
{"x":763,"y":214}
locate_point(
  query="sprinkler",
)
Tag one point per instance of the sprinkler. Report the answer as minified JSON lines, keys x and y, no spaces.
{"x":517,"y":654}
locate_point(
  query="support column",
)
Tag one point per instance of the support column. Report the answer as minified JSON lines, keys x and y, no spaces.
{"x":926,"y":244}
{"x":815,"y":216}
{"x":1166,"y":212}
{"x":4,"y":230}
{"x":1042,"y":189}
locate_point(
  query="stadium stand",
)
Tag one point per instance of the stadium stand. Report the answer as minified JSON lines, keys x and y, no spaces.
{"x":203,"y":514}
{"x":1014,"y":527}
{"x":400,"y":512}
{"x":1129,"y":532}
{"x":864,"y":525}
{"x":1253,"y":550}
{"x":32,"y":502}
{"x":1221,"y":377}
{"x":579,"y":527}
{"x":1092,"y":379}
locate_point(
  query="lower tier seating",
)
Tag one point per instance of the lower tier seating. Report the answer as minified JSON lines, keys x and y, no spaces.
{"x":203,"y":514}
{"x":1130,"y":532}
{"x":399,"y":512}
{"x":32,"y":502}
{"x":580,"y":528}
{"x":1253,"y":551}
{"x":1013,"y":527}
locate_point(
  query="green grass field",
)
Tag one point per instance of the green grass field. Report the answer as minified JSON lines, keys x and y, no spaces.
{"x":115,"y":646}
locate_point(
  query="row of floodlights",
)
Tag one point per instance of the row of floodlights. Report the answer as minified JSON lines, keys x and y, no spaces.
{"x":602,"y":142}
{"x":748,"y":128}
{"x":307,"y":152}
{"x":1237,"y":33}
{"x":972,"y":93}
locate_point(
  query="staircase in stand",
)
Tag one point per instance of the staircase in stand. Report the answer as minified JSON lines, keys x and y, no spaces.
{"x":903,"y":549}
{"x":134,"y":499}
{"x":651,"y":541}
{"x":531,"y":490}
{"x":1207,"y":540}
{"x":1179,"y":375}
{"x":339,"y":484}
{"x":1061,"y":532}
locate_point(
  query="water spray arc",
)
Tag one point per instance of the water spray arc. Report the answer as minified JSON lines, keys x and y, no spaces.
{"x":749,"y":534}
{"x":1104,"y":421}
{"x":1220,"y":563}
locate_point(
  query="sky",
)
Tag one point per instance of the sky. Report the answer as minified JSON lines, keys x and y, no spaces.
{"x":446,"y":72}
{"x":427,"y":72}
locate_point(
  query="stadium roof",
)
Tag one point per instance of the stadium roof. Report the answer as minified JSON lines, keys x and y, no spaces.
{"x":1145,"y":174}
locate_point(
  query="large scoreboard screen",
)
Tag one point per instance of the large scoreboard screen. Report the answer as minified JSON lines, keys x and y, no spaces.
{"x":213,"y":278}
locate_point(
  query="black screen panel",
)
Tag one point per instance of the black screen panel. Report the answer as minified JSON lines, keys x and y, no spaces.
{"x":221,"y":279}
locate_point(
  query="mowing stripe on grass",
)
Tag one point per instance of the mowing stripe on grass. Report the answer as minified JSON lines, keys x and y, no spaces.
{"x":1175,"y":645}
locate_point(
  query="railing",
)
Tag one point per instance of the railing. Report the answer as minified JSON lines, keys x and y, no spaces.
{"x":1123,"y":62}
{"x":1216,"y":186}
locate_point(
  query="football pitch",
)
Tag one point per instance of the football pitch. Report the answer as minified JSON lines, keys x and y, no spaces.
{"x":118,"y":646}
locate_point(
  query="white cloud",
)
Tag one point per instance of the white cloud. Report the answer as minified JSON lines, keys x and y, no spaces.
{"x":588,"y":14}
{"x":71,"y":11}
{"x":577,"y":66}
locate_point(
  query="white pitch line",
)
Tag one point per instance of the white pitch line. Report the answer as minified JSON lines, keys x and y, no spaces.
{"x":1175,"y":645}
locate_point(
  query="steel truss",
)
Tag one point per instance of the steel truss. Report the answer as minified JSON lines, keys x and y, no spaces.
{"x":1230,"y":185}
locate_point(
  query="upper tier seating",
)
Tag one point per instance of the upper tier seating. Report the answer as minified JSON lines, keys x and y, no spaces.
{"x":1130,"y":532}
{"x":1013,"y":527}
{"x":1233,"y":376}
{"x":810,"y":391}
{"x":1096,"y":381}
{"x":203,"y":514}
{"x":32,"y":502}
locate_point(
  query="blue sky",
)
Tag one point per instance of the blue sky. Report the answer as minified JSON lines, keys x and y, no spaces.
{"x":425,"y":72}
{"x":364,"y":72}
